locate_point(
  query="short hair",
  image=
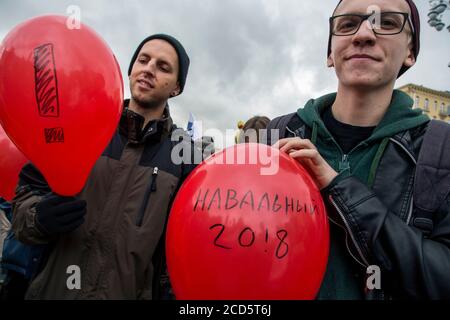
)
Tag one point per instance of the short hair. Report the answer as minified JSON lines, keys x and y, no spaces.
{"x":252,"y":127}
{"x":257,"y":123}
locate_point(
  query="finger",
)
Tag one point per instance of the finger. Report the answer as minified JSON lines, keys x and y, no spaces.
{"x":73,"y":226}
{"x":311,"y":154}
{"x":291,"y":144}
{"x":308,"y":144}
{"x":308,"y":165}
{"x":54,"y":199}
{"x":72,"y":206}
{"x":280,"y":143}
{"x":297,"y":143}
{"x":71,"y":217}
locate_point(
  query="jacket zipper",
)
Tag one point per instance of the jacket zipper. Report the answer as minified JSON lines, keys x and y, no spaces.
{"x":346,"y":242}
{"x":344,"y":164}
{"x":408,"y":219}
{"x":151,"y":188}
{"x":404,"y":149}
{"x":347,"y":227}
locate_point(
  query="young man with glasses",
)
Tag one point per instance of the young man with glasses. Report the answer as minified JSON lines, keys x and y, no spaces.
{"x":361,"y":146}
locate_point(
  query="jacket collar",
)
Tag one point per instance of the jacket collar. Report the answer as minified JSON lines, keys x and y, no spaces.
{"x":399,"y":117}
{"x":131,"y":126}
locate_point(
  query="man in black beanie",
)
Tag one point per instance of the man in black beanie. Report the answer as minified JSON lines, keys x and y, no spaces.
{"x":157,"y":72}
{"x":108,"y":242}
{"x":363,"y":145}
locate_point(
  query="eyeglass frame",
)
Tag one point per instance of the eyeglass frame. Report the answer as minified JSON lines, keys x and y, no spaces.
{"x":366,"y":17}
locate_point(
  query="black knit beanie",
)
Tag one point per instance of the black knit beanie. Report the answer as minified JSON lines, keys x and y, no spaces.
{"x":183,"y":58}
{"x":415,"y":20}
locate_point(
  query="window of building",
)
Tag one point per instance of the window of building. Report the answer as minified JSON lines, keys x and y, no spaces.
{"x":435,"y":106}
{"x":426,"y":106}
{"x":417,"y":102}
{"x":443,"y":111}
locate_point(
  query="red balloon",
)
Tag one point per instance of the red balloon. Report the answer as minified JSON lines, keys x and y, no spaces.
{"x":236,"y":233}
{"x":61,"y":96}
{"x":11,"y":162}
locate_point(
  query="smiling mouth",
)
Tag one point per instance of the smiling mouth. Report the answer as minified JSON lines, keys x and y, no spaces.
{"x":145,"y":84}
{"x":362,"y":57}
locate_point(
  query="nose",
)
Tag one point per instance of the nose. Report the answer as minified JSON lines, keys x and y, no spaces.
{"x":150,"y":68}
{"x":365,"y":35}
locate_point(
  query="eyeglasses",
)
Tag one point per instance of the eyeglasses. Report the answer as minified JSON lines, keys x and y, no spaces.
{"x":384,"y":23}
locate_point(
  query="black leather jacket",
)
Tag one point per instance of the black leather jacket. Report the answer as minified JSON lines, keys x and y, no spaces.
{"x":382,"y":227}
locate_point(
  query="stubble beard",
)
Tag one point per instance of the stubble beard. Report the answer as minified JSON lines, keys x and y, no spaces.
{"x":146,"y":102}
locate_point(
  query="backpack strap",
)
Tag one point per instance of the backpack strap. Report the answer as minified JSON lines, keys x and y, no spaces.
{"x":432,"y":176}
{"x":279,"y":123}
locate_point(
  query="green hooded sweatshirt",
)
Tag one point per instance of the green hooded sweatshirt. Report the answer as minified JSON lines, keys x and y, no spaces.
{"x":342,"y":279}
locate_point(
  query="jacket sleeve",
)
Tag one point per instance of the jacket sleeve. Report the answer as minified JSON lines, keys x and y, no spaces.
{"x":30,"y":190}
{"x":5,"y":225}
{"x":417,"y":264}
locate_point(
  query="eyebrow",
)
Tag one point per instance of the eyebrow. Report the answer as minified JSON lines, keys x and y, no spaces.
{"x":160,"y":60}
{"x":366,"y":12}
{"x":142,"y":54}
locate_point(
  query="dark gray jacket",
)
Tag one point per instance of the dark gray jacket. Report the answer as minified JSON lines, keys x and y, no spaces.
{"x":382,"y":224}
{"x":119,"y":249}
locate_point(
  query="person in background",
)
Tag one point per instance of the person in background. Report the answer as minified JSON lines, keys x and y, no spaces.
{"x":5,"y":224}
{"x":251,"y":131}
{"x":240,"y":126}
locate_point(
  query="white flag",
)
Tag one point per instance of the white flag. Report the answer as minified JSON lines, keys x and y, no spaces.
{"x":194,"y":128}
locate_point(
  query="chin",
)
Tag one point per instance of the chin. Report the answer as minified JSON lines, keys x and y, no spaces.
{"x":363,"y":79}
{"x":139,"y":96}
{"x":146,"y":102}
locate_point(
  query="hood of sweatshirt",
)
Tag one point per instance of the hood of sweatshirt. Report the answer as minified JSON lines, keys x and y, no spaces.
{"x":399,"y":117}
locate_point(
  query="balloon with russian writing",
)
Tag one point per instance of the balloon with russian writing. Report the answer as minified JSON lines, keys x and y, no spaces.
{"x":248,"y":223}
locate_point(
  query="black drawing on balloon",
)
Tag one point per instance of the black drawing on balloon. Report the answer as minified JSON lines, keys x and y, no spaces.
{"x":229,"y":199}
{"x":222,"y":228}
{"x":54,"y":135}
{"x":46,"y":84}
{"x":247,"y":239}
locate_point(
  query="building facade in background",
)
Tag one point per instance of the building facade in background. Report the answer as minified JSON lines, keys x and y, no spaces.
{"x":435,"y":103}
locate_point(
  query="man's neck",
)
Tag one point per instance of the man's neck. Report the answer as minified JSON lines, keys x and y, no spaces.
{"x":149,"y":114}
{"x":363,"y":108}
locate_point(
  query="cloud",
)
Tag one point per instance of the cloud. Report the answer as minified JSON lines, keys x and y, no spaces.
{"x":253,"y":57}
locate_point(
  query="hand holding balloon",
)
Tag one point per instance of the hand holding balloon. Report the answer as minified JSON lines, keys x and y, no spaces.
{"x":56,"y":214}
{"x":307,"y":154}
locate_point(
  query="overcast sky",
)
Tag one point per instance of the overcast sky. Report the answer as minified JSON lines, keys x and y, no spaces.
{"x":248,"y":57}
